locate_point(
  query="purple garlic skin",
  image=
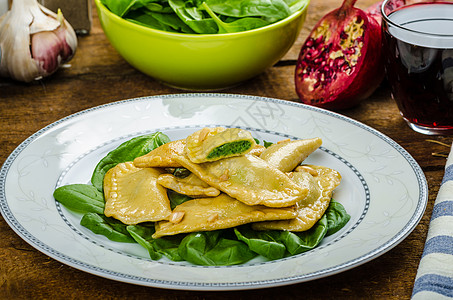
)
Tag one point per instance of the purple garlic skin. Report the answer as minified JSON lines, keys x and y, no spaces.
{"x":50,"y":49}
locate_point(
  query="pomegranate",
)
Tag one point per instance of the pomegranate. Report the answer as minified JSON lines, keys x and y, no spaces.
{"x":340,"y":63}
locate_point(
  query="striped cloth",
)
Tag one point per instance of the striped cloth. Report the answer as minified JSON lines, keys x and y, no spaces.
{"x":434,"y":278}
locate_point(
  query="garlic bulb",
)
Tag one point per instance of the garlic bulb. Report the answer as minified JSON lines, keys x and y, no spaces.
{"x":34,"y":41}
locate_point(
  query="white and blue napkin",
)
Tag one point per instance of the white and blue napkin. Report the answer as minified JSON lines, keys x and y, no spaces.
{"x":434,"y":278}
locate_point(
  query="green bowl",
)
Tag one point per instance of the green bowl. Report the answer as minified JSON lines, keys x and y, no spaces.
{"x":201,"y":61}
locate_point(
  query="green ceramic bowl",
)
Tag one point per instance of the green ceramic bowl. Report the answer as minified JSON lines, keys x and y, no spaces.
{"x":200,"y":61}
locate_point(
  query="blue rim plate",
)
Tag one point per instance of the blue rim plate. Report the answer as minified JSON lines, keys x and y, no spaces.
{"x":383,"y":188}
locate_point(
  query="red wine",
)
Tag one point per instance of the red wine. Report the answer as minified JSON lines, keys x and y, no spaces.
{"x":419,"y":64}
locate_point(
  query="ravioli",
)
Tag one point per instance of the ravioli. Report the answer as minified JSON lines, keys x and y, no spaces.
{"x":211,"y":144}
{"x":221,"y":212}
{"x":248,"y":179}
{"x":321,"y":182}
{"x":162,"y":156}
{"x":190,"y":185}
{"x":133,"y":196}
{"x":286,"y":155}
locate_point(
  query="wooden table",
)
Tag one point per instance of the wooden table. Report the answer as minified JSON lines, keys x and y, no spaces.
{"x":98,"y":75}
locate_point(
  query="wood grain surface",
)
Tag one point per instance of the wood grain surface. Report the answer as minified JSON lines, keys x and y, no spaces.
{"x":98,"y":75}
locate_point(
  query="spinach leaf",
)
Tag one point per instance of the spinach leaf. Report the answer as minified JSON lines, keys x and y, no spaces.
{"x":240,"y":24}
{"x":267,"y":144}
{"x":167,"y":246}
{"x":127,"y":151}
{"x":271,"y":10}
{"x":212,"y":248}
{"x":172,"y":21}
{"x":117,"y":7}
{"x":261,"y":242}
{"x":299,"y":242}
{"x":176,"y":198}
{"x":80,"y":198}
{"x":181,"y":172}
{"x":337,"y":217}
{"x":122,"y":7}
{"x":111,"y":228}
{"x":193,"y":17}
{"x":160,"y":21}
{"x":296,"y":5}
{"x":162,"y":7}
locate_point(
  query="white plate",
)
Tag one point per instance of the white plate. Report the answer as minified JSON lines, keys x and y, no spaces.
{"x":383,"y":188}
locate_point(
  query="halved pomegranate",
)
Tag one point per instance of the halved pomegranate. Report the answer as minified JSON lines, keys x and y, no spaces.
{"x":340,"y":63}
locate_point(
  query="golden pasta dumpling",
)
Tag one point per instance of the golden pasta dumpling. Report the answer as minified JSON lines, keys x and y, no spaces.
{"x":211,"y":144}
{"x":321,"y":182}
{"x":190,"y":185}
{"x":207,"y":214}
{"x":248,"y":179}
{"x":162,"y":156}
{"x":133,"y":196}
{"x":286,"y":155}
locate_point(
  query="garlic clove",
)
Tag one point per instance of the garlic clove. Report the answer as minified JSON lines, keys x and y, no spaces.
{"x":34,"y":41}
{"x":45,"y":47}
{"x":68,"y":34}
{"x":50,"y":48}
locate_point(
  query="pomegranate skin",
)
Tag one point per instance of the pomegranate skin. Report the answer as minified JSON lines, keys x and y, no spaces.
{"x":340,"y":63}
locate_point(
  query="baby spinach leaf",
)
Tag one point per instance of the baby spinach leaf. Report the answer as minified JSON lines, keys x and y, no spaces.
{"x":162,"y":7}
{"x":160,"y":21}
{"x":193,"y":17}
{"x":167,"y":246}
{"x":122,"y":7}
{"x":181,"y":172}
{"x":337,"y":217}
{"x":299,"y":242}
{"x":149,"y":21}
{"x":211,"y":248}
{"x":127,"y":151}
{"x":296,"y":5}
{"x":117,"y":7}
{"x":271,"y":10}
{"x":176,"y":198}
{"x":267,"y":144}
{"x":111,"y":228}
{"x":142,"y":235}
{"x":261,"y":242}
{"x":241,"y":24}
{"x":172,"y":21}
{"x":80,"y":198}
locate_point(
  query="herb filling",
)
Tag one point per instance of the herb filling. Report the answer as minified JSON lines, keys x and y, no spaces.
{"x":230,"y":149}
